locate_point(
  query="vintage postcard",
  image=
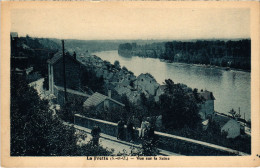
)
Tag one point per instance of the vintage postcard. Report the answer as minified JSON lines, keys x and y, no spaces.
{"x":158,"y":83}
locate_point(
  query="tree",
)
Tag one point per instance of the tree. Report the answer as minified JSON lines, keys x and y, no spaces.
{"x":169,"y":52}
{"x":125,"y":69}
{"x":169,"y":86}
{"x":117,"y":64}
{"x":90,"y":80}
{"x":178,"y":107}
{"x":36,"y":131}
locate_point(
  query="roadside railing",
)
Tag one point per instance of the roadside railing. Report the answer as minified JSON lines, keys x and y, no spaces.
{"x":169,"y":142}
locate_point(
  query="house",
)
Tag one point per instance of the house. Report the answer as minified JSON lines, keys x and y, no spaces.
{"x":228,"y":125}
{"x":146,"y":82}
{"x":231,"y":128}
{"x":159,"y":91}
{"x":132,"y":94}
{"x":127,"y":79}
{"x":207,"y":107}
{"x":101,"y":102}
{"x":73,"y":69}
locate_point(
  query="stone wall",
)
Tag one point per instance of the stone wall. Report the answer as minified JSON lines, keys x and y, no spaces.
{"x":173,"y":143}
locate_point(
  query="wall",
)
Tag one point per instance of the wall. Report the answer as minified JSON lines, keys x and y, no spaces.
{"x":71,"y":95}
{"x":176,"y":144}
{"x":147,"y":83}
{"x":73,"y":70}
{"x":207,"y":108}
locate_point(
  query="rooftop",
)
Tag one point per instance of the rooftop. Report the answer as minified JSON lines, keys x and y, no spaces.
{"x":98,"y":98}
{"x":207,"y":95}
{"x":72,"y":91}
{"x":58,"y":56}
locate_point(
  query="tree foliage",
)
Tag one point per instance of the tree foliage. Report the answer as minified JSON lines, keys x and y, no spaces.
{"x":36,"y":131}
{"x":214,"y":52}
{"x":179,"y":108}
{"x":90,"y":80}
{"x":117,"y":64}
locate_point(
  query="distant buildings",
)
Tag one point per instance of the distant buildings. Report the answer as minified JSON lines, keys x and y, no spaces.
{"x":19,"y":62}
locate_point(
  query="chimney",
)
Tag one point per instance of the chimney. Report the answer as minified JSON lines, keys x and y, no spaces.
{"x":109,"y":93}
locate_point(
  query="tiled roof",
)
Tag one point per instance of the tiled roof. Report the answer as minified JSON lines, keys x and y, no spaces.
{"x":58,"y":56}
{"x":221,"y":120}
{"x":94,"y":100}
{"x":55,"y":58}
{"x":98,"y":98}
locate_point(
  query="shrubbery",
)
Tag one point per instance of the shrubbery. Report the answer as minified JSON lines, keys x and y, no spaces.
{"x":36,"y":131}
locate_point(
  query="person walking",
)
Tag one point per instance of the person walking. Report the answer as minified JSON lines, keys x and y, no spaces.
{"x":95,"y":135}
{"x":130,"y":130}
{"x":150,"y":133}
{"x":143,"y":129}
{"x":120,"y":130}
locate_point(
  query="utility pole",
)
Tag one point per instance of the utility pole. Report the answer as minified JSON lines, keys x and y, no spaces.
{"x":64,"y":73}
{"x":245,"y":119}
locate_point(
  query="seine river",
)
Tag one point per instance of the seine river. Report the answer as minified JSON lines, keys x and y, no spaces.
{"x":230,"y":88}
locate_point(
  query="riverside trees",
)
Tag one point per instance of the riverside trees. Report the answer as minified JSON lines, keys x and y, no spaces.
{"x":232,"y":53}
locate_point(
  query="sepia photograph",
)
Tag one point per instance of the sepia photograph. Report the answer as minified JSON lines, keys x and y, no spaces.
{"x":119,"y":81}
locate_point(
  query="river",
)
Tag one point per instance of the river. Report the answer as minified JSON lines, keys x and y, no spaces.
{"x":230,"y":88}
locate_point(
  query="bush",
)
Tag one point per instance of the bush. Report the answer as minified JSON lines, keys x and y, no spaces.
{"x":36,"y":131}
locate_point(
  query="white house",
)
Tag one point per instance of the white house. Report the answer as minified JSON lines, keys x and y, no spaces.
{"x":147,"y":83}
{"x":232,"y":128}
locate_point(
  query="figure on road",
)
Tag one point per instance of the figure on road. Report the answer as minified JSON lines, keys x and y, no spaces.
{"x":130,"y":130}
{"x":120,"y":130}
{"x":95,"y":135}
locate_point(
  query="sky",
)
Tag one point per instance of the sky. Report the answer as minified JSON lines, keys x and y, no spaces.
{"x":132,"y":23}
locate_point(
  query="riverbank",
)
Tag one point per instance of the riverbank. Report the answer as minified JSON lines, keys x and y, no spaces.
{"x":234,"y":54}
{"x":205,"y":66}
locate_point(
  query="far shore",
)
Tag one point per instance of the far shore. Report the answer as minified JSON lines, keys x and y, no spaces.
{"x":206,"y":66}
{"x":184,"y":63}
